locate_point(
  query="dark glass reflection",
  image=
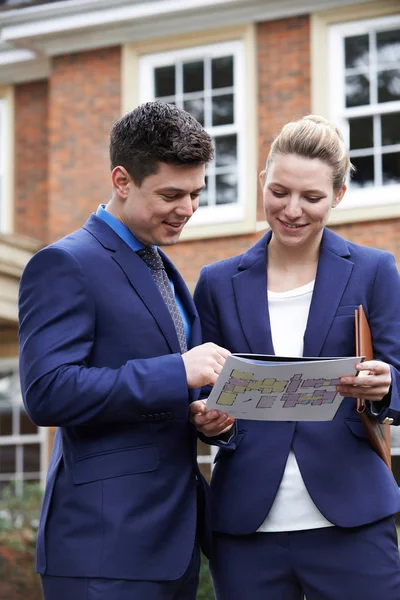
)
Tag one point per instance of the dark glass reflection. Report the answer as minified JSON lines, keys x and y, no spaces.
{"x":5,"y":420}
{"x":10,"y":393}
{"x":222,"y":72}
{"x":388,"y":46}
{"x":222,"y":109}
{"x":7,"y":459}
{"x":364,"y":175}
{"x":226,"y":188}
{"x":164,"y":79}
{"x":357,"y":90}
{"x":361,"y":133}
{"x":391,"y":168}
{"x":26,"y":425}
{"x":225,"y":150}
{"x":356,"y":51}
{"x":390,"y":129}
{"x":203,"y":200}
{"x":389,"y":85}
{"x":193,"y":77}
{"x":195,"y":106}
{"x":32,"y":458}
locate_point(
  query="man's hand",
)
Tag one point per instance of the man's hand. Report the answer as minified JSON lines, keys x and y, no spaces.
{"x":211,"y":423}
{"x":372,"y":382}
{"x":203,"y":364}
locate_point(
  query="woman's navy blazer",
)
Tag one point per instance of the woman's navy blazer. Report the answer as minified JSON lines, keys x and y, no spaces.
{"x":346,"y":479}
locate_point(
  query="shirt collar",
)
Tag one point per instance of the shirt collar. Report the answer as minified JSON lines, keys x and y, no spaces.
{"x":120,"y":229}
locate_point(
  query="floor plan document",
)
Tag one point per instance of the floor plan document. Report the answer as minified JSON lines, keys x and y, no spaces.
{"x":275,"y":388}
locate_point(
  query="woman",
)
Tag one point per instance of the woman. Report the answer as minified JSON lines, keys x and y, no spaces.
{"x":307,"y":507}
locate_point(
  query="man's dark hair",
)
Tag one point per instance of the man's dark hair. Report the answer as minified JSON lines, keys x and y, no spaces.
{"x":157,"y":132}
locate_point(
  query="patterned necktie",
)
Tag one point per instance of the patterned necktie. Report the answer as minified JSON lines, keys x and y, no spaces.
{"x":154,"y":261}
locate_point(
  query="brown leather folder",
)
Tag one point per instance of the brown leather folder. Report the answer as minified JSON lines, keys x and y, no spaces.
{"x":378,"y":434}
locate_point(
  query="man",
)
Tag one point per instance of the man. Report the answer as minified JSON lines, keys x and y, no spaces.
{"x":105,"y":326}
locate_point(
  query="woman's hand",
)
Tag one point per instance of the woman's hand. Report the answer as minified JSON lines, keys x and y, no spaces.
{"x":372,"y":382}
{"x":211,"y":423}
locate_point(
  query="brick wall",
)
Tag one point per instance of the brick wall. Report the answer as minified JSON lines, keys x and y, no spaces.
{"x":84,"y":100}
{"x":283,"y":54}
{"x":379,"y":234}
{"x":31,"y":160}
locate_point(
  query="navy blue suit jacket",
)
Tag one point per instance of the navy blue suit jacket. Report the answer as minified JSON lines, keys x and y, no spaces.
{"x":346,"y":479}
{"x":100,"y":359}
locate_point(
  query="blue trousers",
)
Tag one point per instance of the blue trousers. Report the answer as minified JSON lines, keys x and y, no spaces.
{"x":79,"y":588}
{"x":360,"y":563}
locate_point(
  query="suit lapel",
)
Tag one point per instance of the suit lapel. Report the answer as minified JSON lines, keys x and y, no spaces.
{"x":140,"y":278}
{"x":250,"y":289}
{"x":138,"y":275}
{"x":333,"y":274}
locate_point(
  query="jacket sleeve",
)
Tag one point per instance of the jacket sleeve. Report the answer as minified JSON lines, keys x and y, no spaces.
{"x":384,"y":321}
{"x":208,"y":314}
{"x":57,"y":332}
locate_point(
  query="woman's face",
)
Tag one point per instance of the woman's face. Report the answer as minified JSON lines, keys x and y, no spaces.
{"x":298,"y":197}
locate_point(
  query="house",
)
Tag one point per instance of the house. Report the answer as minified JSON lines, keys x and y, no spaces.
{"x":68,"y":69}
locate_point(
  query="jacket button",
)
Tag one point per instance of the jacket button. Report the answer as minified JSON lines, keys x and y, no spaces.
{"x":387,"y":421}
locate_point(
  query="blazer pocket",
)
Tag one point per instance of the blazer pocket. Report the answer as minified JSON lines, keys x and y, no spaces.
{"x":357,"y":428}
{"x":129,"y":461}
{"x":346,"y":310}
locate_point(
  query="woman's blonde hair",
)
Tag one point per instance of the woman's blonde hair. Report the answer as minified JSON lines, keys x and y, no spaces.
{"x":314,"y":137}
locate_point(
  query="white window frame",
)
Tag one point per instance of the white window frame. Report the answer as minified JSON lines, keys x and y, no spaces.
{"x":379,"y":194}
{"x":227,"y":213}
{"x":21,"y":440}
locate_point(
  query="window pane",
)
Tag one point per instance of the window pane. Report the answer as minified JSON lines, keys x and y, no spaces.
{"x":222,"y":72}
{"x":26,"y":425}
{"x":195,"y":107}
{"x":164,"y":79}
{"x":9,"y":395}
{"x":388,"y":46}
{"x":225,"y":151}
{"x":389,"y":85}
{"x":364,"y":174}
{"x":7,"y":459}
{"x":222,"y":109}
{"x":357,"y":90}
{"x":203,"y":200}
{"x":226,"y":188}
{"x":361,"y":133}
{"x":390,"y":129}
{"x":193,"y":77}
{"x":356,"y":51}
{"x":391,"y":167}
{"x":5,"y":421}
{"x":31,"y":458}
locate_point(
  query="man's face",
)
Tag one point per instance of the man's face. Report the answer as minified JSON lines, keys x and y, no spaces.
{"x":157,"y":211}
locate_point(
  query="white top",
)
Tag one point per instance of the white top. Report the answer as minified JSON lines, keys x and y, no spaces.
{"x":293,"y":508}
